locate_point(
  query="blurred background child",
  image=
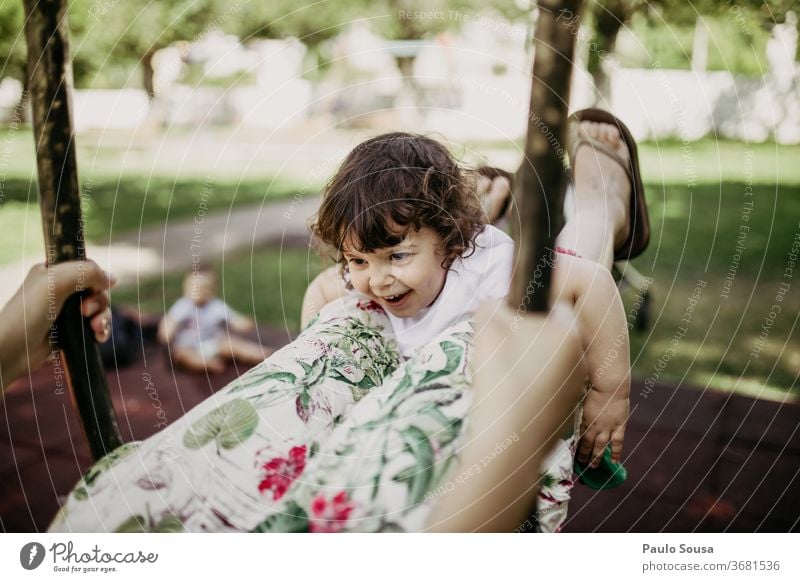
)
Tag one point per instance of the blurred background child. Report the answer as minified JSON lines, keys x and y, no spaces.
{"x":200,"y":328}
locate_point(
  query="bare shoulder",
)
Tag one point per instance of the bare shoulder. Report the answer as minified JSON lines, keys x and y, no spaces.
{"x":326,"y":287}
{"x":330,"y":280}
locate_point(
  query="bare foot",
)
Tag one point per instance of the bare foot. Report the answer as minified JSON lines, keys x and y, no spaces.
{"x":215,"y":365}
{"x":193,"y":361}
{"x":602,"y":187}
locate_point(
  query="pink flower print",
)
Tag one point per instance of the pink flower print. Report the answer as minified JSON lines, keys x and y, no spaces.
{"x":281,"y":472}
{"x":323,"y":347}
{"x":546,"y":496}
{"x":318,"y":404}
{"x":330,"y":515}
{"x":368,"y":305}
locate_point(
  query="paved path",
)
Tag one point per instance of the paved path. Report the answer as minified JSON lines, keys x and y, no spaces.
{"x":179,"y":244}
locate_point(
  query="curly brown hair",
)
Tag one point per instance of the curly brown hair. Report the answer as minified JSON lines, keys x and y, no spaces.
{"x":391,"y":184}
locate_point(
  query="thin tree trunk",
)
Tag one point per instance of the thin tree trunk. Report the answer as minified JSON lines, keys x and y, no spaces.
{"x":21,"y":110}
{"x":608,"y":22}
{"x":700,"y":46}
{"x":541,"y":180}
{"x":410,"y":86}
{"x":148,"y":73}
{"x":59,"y":195}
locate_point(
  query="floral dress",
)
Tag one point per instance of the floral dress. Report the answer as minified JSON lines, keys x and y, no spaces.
{"x":334,"y":432}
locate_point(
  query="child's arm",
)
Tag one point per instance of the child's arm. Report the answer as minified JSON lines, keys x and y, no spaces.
{"x":326,"y":287}
{"x":238,"y":322}
{"x":166,"y":329}
{"x":604,"y":334}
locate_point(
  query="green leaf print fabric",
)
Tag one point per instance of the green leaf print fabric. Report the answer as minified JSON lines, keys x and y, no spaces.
{"x":331,"y":433}
{"x":229,"y":425}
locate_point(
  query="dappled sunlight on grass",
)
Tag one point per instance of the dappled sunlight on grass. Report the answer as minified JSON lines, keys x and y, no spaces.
{"x":114,"y":206}
{"x":745,"y":387}
{"x":20,"y":232}
{"x":267,"y":286}
{"x":719,"y":256}
{"x":714,"y":161}
{"x":741,"y":255}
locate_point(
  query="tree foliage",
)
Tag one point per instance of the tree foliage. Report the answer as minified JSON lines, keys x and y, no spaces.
{"x":12,"y":40}
{"x":109,"y":38}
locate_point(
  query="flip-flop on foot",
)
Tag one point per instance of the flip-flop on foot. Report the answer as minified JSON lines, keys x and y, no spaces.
{"x":639,"y":232}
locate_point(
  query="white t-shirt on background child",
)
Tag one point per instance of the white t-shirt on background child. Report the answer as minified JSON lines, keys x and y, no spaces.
{"x":199,"y":324}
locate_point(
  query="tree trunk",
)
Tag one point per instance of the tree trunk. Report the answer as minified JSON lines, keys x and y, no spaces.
{"x":147,"y":74}
{"x":20,"y":114}
{"x":406,"y":66}
{"x":541,"y":180}
{"x":608,"y":22}
{"x":700,"y":46}
{"x":59,"y":195}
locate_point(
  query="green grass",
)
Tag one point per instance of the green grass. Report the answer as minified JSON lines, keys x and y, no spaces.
{"x":267,"y":285}
{"x":710,"y":161}
{"x":695,"y":238}
{"x":738,"y":47}
{"x":124,"y":187}
{"x":707,"y":160}
{"x":695,"y":218}
{"x":20,"y":232}
{"x":114,"y":205}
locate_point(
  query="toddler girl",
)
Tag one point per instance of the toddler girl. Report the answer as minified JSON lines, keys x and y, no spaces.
{"x":405,"y":224}
{"x":349,"y":429}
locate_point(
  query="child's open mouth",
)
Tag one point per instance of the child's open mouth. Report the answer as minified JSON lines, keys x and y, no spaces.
{"x":397,"y":300}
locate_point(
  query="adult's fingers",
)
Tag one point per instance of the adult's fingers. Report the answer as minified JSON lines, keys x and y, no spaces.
{"x":76,"y":276}
{"x":94,"y":303}
{"x":101,"y":325}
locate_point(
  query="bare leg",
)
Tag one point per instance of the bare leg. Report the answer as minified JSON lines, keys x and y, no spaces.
{"x":529,"y":382}
{"x":598,"y":209}
{"x":598,"y":219}
{"x":528,"y":379}
{"x":243,"y":351}
{"x":193,"y":361}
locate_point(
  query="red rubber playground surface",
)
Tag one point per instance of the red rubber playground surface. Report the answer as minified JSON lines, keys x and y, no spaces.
{"x":697,"y":460}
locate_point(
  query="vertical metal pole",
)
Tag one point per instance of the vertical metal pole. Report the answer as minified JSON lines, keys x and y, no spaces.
{"x":49,"y":83}
{"x":541,"y":180}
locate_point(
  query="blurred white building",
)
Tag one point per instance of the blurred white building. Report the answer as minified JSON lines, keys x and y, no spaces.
{"x":471,"y":85}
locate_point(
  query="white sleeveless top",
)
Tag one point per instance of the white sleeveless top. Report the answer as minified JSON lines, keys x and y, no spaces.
{"x":485,"y":274}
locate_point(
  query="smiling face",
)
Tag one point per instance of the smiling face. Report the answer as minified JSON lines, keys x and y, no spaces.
{"x":404,"y":278}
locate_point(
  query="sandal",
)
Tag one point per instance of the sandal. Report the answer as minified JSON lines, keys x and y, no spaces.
{"x":639,"y":235}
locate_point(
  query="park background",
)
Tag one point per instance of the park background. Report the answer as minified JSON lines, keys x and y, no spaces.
{"x":232,"y":115}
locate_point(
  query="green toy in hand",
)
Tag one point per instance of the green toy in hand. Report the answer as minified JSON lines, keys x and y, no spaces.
{"x":606,"y":475}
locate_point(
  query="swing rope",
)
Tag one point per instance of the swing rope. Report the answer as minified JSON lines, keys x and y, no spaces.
{"x":541,"y":179}
{"x":59,"y":198}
